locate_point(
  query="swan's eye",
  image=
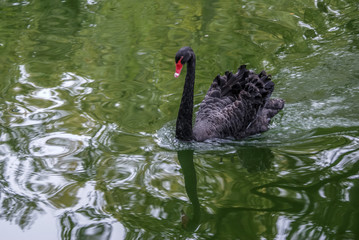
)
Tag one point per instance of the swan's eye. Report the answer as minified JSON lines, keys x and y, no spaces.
{"x":179,"y":66}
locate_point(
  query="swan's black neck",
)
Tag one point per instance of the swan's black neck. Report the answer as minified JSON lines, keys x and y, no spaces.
{"x":184,"y":119}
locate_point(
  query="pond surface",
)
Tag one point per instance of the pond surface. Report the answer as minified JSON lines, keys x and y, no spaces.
{"x":88,"y":105}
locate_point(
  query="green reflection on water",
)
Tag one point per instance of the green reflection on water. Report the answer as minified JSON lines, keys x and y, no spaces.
{"x":87,"y":109}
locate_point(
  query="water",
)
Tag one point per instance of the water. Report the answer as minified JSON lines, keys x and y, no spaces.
{"x":88,"y":104}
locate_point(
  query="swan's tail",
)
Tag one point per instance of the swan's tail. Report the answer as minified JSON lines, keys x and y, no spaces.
{"x":273,"y":106}
{"x":251,"y":92}
{"x":237,"y":105}
{"x":264,"y":116}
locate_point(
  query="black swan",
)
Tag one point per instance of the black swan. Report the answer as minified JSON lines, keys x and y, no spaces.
{"x":235,"y":106}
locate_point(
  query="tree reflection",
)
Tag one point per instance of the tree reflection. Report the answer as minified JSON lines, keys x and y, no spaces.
{"x":17,"y":209}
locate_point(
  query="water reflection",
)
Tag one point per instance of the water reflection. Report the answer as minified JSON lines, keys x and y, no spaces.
{"x":253,"y":159}
{"x":262,"y":205}
{"x":185,"y":159}
{"x":75,"y":225}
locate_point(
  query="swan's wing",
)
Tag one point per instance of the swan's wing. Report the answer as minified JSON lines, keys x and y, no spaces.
{"x":236,"y":105}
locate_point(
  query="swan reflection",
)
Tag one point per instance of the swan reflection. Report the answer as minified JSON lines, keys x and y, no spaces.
{"x":254,"y":159}
{"x":185,"y":157}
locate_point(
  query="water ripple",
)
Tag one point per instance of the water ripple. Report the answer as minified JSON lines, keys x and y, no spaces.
{"x":58,"y":144}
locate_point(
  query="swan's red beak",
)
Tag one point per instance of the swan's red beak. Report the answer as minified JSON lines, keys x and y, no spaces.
{"x":179,"y":67}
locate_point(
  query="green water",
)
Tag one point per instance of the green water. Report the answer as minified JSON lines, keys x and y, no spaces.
{"x":88,"y":104}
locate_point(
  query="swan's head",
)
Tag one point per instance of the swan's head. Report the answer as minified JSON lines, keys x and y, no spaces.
{"x":183,"y":55}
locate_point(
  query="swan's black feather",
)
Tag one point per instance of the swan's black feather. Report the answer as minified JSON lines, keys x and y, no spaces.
{"x":236,"y":106}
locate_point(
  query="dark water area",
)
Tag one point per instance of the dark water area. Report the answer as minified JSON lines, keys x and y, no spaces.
{"x":88,"y":105}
